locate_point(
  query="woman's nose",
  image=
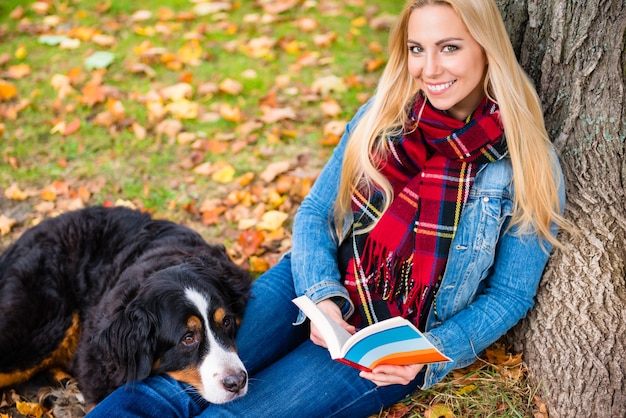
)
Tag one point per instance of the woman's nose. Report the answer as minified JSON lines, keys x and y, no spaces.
{"x":431,"y":64}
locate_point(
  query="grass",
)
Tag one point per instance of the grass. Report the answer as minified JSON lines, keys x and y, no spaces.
{"x":280,"y":60}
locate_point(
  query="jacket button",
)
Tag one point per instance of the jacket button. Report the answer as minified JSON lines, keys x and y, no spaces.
{"x":485,"y":199}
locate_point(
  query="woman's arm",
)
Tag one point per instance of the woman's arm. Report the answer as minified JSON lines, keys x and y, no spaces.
{"x":314,"y":249}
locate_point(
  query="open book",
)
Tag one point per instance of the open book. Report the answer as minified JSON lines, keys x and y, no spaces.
{"x":392,"y":341}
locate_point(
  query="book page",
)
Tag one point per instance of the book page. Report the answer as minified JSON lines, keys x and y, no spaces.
{"x":334,"y":335}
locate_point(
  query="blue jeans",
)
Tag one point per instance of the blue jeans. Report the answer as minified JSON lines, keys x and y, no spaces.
{"x":289,"y":375}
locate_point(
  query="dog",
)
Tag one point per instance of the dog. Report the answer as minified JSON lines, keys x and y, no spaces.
{"x":110,"y":296}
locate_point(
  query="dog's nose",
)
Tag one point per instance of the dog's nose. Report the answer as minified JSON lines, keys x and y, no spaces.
{"x":236,"y":381}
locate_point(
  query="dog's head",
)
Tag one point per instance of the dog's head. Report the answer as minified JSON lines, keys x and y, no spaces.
{"x":182,"y":321}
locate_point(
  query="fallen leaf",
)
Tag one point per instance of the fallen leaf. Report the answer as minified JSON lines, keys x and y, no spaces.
{"x":330,"y":107}
{"x":71,"y":127}
{"x":92,"y":93}
{"x":438,"y":411}
{"x":29,"y":408}
{"x":6,"y":224}
{"x":272,"y":220}
{"x":99,"y":59}
{"x":279,"y":6}
{"x":183,"y":109}
{"x":250,"y":241}
{"x":230,"y":86}
{"x":372,"y":65}
{"x":103,"y":40}
{"x":224,"y":173}
{"x":273,"y":170}
{"x":7,"y":90}
{"x":230,"y":113}
{"x":13,"y":192}
{"x":21,"y":52}
{"x":51,"y":40}
{"x":18,"y":71}
{"x":141,"y":15}
{"x":331,"y":83}
{"x":271,"y":114}
{"x":258,"y":264}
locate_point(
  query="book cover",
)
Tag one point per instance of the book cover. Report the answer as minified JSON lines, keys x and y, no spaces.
{"x":392,"y":341}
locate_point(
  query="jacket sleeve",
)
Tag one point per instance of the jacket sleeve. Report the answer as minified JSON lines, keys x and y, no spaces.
{"x":314,"y":242}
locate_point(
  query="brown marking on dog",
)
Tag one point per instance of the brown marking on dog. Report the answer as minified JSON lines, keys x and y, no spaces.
{"x":189,"y":375}
{"x":58,"y":361}
{"x":219,"y":315}
{"x":194,"y":323}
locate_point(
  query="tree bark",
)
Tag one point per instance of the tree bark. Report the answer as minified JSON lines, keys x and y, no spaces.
{"x":574,"y":340}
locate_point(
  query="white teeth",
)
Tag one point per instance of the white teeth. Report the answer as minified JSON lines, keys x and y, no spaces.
{"x":439,"y":87}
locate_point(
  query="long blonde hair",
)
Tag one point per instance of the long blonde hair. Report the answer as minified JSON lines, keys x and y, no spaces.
{"x":536,"y":201}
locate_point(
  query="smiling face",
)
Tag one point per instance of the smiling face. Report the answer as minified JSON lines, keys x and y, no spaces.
{"x":448,"y":65}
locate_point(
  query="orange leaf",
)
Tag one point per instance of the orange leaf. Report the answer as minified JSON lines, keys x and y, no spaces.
{"x":18,"y":71}
{"x":7,"y":90}
{"x":71,"y":127}
{"x":230,"y":113}
{"x":48,"y":195}
{"x":92,"y":94}
{"x":372,"y":65}
{"x":250,"y":241}
{"x":258,"y":264}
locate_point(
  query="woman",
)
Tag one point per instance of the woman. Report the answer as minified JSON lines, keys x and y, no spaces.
{"x":447,"y":206}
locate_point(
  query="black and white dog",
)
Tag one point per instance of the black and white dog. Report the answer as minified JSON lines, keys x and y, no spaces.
{"x":112,"y":296}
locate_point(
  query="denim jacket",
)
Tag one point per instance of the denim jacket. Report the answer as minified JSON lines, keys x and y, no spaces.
{"x":491,"y":276}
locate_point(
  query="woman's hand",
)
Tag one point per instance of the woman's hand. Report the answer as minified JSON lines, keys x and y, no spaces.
{"x":331,"y":309}
{"x":387,"y":374}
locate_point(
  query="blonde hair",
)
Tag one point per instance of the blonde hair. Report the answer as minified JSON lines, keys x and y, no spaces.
{"x":536,"y":201}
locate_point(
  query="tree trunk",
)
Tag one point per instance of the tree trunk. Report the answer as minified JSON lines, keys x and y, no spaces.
{"x":574,"y":340}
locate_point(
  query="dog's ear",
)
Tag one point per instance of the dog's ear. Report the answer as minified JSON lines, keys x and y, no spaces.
{"x":129,"y":343}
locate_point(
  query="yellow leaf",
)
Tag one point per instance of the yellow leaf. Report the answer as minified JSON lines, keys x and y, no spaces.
{"x":466,"y":389}
{"x":272,"y":220}
{"x":7,"y":90}
{"x":178,"y":91}
{"x":359,"y":22}
{"x":224,"y":174}
{"x":6,"y":224}
{"x":183,"y":109}
{"x":15,"y":193}
{"x":190,"y":53}
{"x":20,"y":52}
{"x":230,"y":113}
{"x":29,"y":408}
{"x":439,"y":411}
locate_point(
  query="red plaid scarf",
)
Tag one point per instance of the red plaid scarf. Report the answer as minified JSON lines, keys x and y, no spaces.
{"x":431,"y":170}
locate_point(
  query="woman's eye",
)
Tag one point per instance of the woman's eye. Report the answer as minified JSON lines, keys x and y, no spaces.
{"x":450,"y":48}
{"x":414,"y":49}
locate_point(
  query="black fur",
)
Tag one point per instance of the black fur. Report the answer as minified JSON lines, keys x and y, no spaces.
{"x":125,"y":275}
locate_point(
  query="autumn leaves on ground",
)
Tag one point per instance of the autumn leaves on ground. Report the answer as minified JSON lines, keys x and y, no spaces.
{"x":215,"y":114}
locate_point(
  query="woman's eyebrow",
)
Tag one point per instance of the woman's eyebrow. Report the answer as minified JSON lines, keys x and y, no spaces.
{"x":439,"y":42}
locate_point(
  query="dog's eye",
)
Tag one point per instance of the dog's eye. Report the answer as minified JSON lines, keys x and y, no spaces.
{"x":227,"y":322}
{"x":189,"y":339}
